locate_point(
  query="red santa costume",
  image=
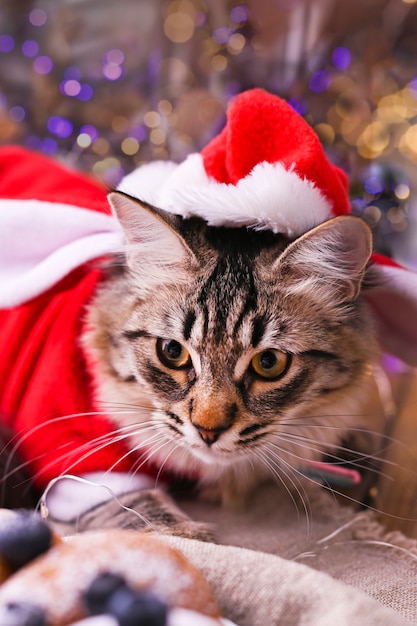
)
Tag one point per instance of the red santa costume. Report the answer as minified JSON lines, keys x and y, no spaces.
{"x":265,"y":170}
{"x":43,"y":372}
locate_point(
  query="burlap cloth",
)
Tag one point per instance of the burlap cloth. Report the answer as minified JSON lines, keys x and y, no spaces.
{"x":278,"y":564}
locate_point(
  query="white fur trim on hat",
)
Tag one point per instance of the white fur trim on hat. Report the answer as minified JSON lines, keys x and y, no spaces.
{"x":269,"y":198}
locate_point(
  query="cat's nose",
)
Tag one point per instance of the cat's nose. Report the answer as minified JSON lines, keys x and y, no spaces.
{"x":209,"y":436}
{"x":211,"y":417}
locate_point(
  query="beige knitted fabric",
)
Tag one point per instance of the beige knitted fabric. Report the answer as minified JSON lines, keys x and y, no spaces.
{"x":280,"y":564}
{"x":275,"y":567}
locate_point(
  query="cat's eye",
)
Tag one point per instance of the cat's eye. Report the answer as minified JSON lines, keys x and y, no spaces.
{"x":270,"y":363}
{"x":173,"y":354}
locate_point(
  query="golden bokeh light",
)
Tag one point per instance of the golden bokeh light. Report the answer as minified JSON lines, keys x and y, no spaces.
{"x":130,"y":146}
{"x":374,"y":140}
{"x":179,"y":27}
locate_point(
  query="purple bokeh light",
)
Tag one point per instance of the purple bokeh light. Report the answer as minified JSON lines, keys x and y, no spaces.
{"x":200,"y":19}
{"x":298,"y":105}
{"x":374,"y":185}
{"x":240,"y":13}
{"x":59,"y":126}
{"x":38,"y":17}
{"x":17,"y":113}
{"x":341,"y":58}
{"x":49,"y":146}
{"x":137,"y":132}
{"x":112,"y":72}
{"x":30,"y":48}
{"x":6,"y":43}
{"x":320,"y":81}
{"x":70,"y":88}
{"x":221,"y":35}
{"x":114,"y":57}
{"x":42,"y":65}
{"x":86,"y":92}
{"x":89,"y":130}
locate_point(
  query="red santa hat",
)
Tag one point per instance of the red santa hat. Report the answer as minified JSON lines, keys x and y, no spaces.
{"x":265,"y":170}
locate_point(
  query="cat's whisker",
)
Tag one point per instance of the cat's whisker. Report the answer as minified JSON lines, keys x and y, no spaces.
{"x":133,"y":407}
{"x":335,"y":414}
{"x":383,"y":437}
{"x":296,"y":471}
{"x":135,"y":449}
{"x":21,"y":437}
{"x":162,"y":465}
{"x":149,"y":454}
{"x":377,"y":456}
{"x":357,"y":502}
{"x":248,"y":461}
{"x":145,"y":445}
{"x":334,"y":491}
{"x":313,"y":423}
{"x":277,"y":471}
{"x":99,"y":443}
{"x":356,"y":462}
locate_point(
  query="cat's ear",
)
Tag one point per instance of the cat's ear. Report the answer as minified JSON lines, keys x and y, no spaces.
{"x":329,"y":261}
{"x":155,"y":248}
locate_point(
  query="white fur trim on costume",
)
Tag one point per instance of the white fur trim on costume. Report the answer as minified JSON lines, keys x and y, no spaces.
{"x":394,"y":303}
{"x":269,"y":198}
{"x":67,"y":497}
{"x":43,"y":241}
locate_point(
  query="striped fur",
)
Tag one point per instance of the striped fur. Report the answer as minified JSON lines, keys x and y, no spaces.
{"x":227,"y":295}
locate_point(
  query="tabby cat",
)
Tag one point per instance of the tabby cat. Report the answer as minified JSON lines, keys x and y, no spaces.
{"x":231,"y":339}
{"x":236,"y":354}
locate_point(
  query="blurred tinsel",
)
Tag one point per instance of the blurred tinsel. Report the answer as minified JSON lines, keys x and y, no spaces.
{"x":106,"y":85}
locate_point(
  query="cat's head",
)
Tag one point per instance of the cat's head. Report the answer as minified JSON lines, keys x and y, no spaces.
{"x":252,"y":347}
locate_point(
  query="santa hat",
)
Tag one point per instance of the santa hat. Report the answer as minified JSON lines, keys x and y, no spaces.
{"x":265,"y":170}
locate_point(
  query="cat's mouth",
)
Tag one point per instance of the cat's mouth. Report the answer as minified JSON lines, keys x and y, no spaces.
{"x":213,"y":455}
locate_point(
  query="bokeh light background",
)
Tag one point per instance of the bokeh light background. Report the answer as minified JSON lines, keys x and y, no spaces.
{"x":105,"y":85}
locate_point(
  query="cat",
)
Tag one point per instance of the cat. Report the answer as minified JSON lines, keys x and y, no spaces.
{"x":229,"y":341}
{"x":238,"y":354}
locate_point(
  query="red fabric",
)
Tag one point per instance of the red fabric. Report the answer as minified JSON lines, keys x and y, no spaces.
{"x":380,"y":259}
{"x":27,"y":175}
{"x":43,"y":374}
{"x":43,"y":378}
{"x":262,"y":127}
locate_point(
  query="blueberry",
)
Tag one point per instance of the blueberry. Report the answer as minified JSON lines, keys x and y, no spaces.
{"x":21,"y":614}
{"x":135,"y":608}
{"x":101,"y":589}
{"x":23,"y":538}
{"x":109,"y":593}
